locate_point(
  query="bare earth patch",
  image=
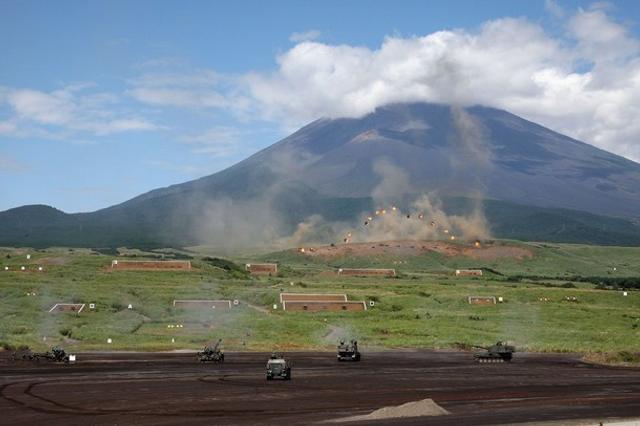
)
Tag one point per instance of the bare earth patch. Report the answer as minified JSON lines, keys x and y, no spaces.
{"x":406,"y":248}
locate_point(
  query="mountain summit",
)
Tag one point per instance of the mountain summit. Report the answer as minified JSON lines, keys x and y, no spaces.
{"x":535,"y":183}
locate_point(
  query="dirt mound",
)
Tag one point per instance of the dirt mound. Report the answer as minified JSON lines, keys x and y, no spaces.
{"x":406,"y":248}
{"x":425,"y":407}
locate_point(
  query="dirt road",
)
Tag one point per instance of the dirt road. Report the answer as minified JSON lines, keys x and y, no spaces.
{"x":157,"y":389}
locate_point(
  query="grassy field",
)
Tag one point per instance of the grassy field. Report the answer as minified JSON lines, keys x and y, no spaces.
{"x":425,"y":307}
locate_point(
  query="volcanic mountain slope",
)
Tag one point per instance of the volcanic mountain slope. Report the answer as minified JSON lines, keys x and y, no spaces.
{"x":536,"y":183}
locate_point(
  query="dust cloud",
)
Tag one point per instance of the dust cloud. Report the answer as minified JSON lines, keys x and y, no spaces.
{"x":402,"y":211}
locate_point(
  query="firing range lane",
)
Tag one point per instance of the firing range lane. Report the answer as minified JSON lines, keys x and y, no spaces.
{"x":143,"y":388}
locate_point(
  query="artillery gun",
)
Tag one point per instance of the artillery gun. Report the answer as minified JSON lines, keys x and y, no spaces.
{"x":56,"y":354}
{"x":348,"y":351}
{"x":212,"y":353}
{"x":500,"y":352}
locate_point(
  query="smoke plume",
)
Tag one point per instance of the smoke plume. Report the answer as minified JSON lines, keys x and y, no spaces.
{"x":402,"y":211}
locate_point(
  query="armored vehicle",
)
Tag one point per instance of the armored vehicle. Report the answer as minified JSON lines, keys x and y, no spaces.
{"x":56,"y":354}
{"x":348,"y":351}
{"x":278,"y":367}
{"x":500,"y":352}
{"x":212,"y":353}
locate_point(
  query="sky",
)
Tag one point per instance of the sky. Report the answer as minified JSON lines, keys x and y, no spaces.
{"x":101,"y":101}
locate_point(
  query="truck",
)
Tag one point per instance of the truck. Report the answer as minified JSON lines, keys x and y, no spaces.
{"x":278,"y":367}
{"x":348,"y":351}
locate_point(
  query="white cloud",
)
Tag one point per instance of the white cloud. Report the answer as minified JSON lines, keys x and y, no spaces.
{"x":186,"y":169}
{"x":584,"y":83}
{"x":10,"y":165}
{"x":198,"y":89}
{"x":305,"y":36}
{"x":554,"y":8}
{"x":218,"y":141}
{"x":7,"y":127}
{"x":66,"y":113}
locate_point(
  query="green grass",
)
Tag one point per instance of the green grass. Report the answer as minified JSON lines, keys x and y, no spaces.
{"x":425,"y":308}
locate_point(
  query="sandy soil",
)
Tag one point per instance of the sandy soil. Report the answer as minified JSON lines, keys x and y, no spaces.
{"x":425,"y":407}
{"x":173,"y":388}
{"x":406,"y":248}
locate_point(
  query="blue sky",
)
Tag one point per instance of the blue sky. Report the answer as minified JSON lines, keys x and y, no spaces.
{"x":102,"y":101}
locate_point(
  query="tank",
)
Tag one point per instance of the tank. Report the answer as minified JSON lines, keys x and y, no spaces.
{"x":500,"y":352}
{"x":212,"y":353}
{"x":278,"y":367}
{"x":348,"y":351}
{"x":56,"y":354}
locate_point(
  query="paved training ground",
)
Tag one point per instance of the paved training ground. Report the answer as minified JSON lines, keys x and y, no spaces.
{"x":160,"y":389}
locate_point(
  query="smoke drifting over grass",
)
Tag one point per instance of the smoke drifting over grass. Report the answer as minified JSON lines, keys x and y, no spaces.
{"x":403,"y":211}
{"x":425,"y":218}
{"x":232,"y":225}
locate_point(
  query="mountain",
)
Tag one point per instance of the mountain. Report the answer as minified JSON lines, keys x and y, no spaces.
{"x":536,"y":184}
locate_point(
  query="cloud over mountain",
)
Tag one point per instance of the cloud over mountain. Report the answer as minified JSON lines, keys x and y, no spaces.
{"x":585,"y":84}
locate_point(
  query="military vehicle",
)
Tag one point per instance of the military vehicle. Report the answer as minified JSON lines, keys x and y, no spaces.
{"x":278,"y":367}
{"x":500,"y":352}
{"x":56,"y":354}
{"x":348,"y":351}
{"x":212,"y":353}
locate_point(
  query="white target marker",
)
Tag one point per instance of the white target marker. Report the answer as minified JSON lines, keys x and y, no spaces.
{"x":624,"y":293}
{"x":22,"y":268}
{"x":130,"y":306}
{"x":275,"y":306}
{"x":109,"y":340}
{"x":40,"y":268}
{"x":236,"y":302}
{"x":6,"y":268}
{"x":28,"y":256}
{"x":372,"y":303}
{"x":173,"y":340}
{"x":92,"y":305}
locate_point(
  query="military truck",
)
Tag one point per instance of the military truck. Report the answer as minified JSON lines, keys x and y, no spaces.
{"x":500,"y":352}
{"x":56,"y":354}
{"x":348,"y":351}
{"x":278,"y":367}
{"x":212,"y":353}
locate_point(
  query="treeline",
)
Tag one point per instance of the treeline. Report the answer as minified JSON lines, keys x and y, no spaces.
{"x":605,"y":283}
